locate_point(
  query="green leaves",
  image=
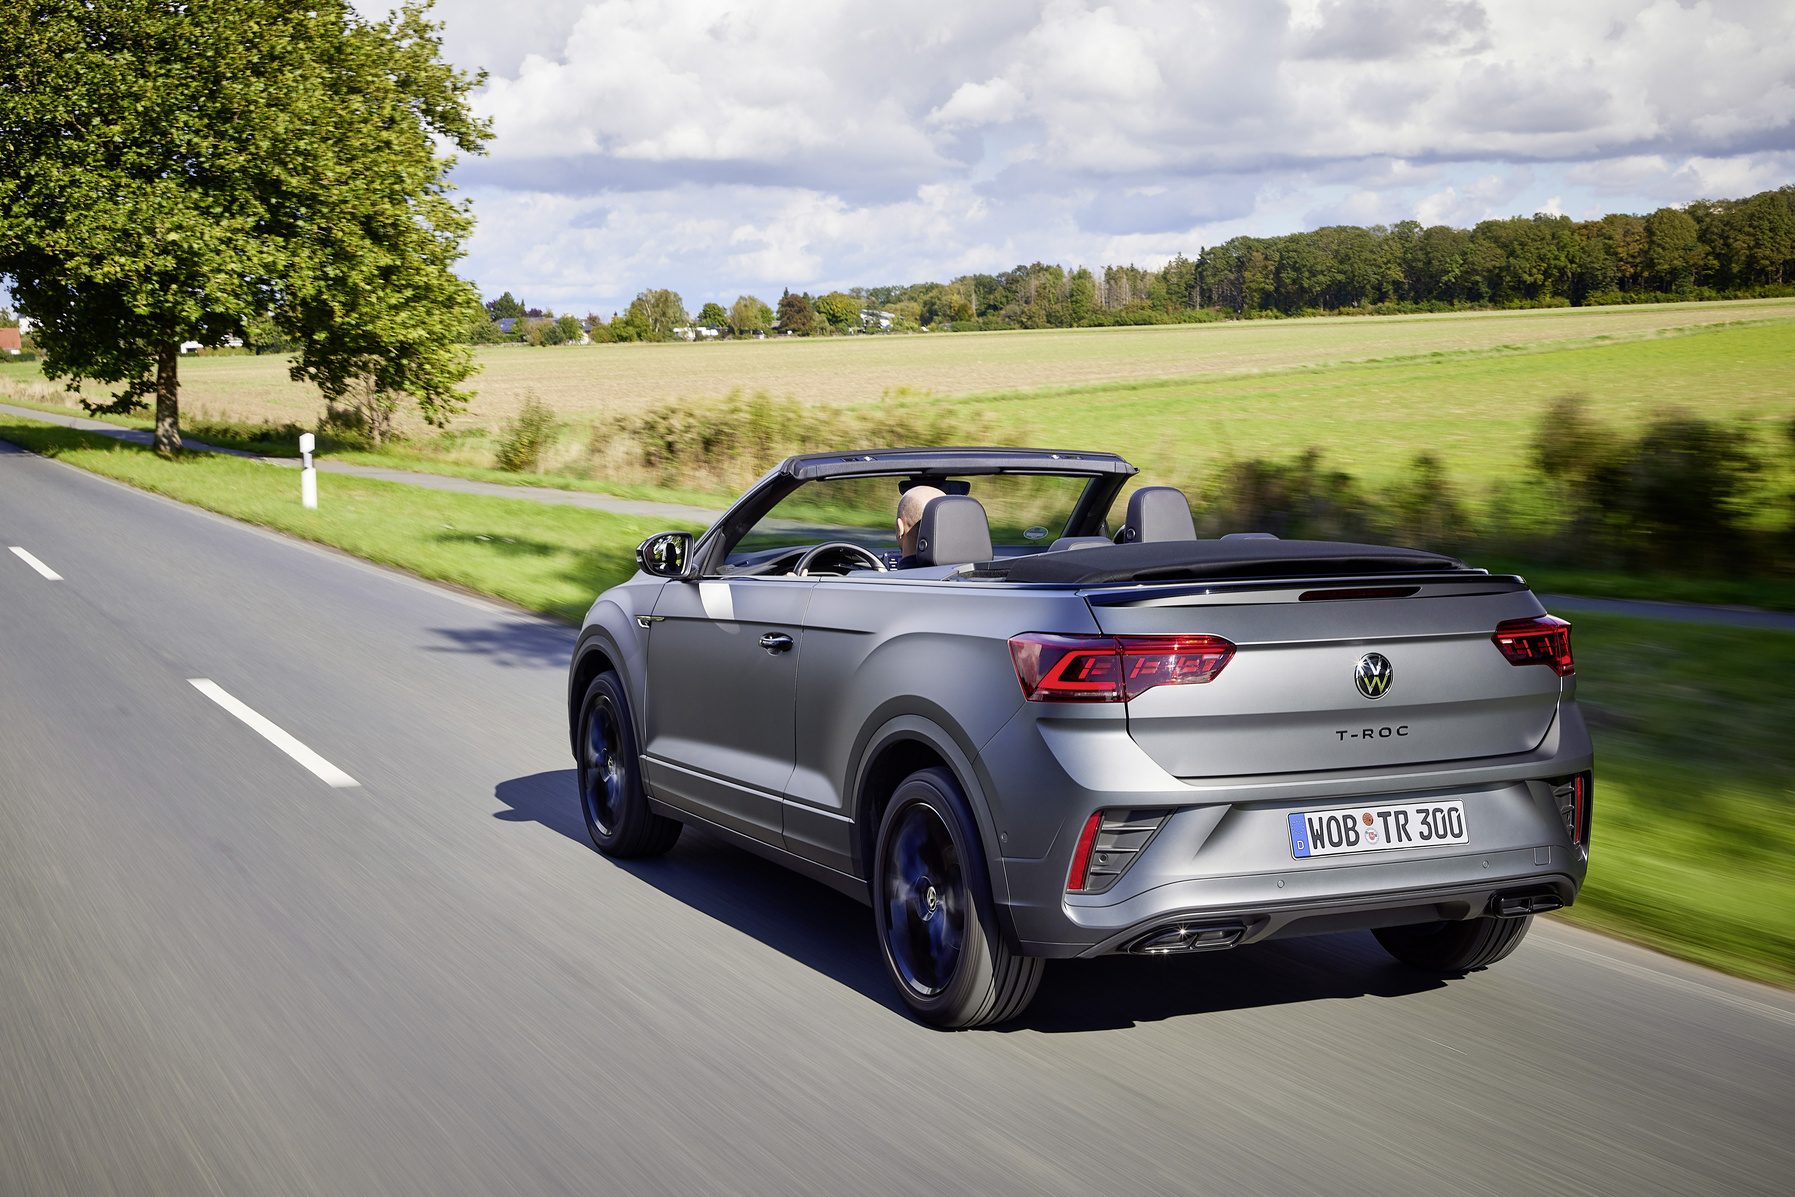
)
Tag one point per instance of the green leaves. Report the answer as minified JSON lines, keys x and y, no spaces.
{"x":181,"y":172}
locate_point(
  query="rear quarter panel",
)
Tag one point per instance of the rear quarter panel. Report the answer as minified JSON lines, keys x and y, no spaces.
{"x":878,"y":650}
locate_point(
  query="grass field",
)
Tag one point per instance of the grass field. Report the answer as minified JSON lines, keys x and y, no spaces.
{"x":1694,"y":848}
{"x":1365,"y":390}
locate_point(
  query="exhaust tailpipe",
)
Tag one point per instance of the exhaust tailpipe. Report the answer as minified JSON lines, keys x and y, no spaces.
{"x":1515,"y":905}
{"x":1163,"y":941}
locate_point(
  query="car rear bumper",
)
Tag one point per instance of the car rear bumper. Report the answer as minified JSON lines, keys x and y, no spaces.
{"x":1223,"y":858}
{"x":1270,"y":913}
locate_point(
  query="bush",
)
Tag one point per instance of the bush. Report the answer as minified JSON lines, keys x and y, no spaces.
{"x":1686,"y":496}
{"x":1681,"y":498}
{"x":725,"y":445}
{"x":527,"y":436}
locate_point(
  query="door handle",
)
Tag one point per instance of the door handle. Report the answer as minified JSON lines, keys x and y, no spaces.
{"x":775,"y":642}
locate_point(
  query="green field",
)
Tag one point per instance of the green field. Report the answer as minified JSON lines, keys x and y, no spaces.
{"x":1477,"y":411}
{"x":1694,"y":845}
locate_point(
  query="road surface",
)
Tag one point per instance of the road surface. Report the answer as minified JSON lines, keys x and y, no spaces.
{"x":221,"y":973}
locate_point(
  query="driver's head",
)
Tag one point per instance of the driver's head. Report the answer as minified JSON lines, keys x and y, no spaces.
{"x":909,"y":514}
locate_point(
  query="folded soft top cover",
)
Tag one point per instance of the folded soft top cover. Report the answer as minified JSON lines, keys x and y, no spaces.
{"x":1177,"y":560}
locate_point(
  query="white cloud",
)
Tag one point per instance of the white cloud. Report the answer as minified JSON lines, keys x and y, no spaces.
{"x":725,"y":142}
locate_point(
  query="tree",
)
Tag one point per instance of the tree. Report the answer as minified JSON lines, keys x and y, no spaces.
{"x":839,"y":309}
{"x":795,"y":315}
{"x":661,"y":311}
{"x":570,"y":328}
{"x":749,"y":315}
{"x":505,"y":307}
{"x":713,"y":316}
{"x":177,"y":172}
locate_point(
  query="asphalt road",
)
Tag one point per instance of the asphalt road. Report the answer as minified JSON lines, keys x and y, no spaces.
{"x":219,"y":974}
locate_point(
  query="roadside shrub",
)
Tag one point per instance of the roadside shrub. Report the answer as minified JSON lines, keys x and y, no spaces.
{"x":222,"y":429}
{"x":343,"y":428}
{"x":1296,"y":500}
{"x":526,"y":437}
{"x":1682,"y":497}
{"x":722,"y":446}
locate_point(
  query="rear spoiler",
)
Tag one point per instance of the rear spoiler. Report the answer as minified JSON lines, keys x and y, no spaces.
{"x":1202,"y":560}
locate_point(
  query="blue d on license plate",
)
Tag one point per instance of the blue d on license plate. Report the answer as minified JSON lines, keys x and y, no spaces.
{"x":1345,"y":830}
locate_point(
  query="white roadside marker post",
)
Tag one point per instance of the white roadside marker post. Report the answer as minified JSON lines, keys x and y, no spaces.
{"x":308,"y":477}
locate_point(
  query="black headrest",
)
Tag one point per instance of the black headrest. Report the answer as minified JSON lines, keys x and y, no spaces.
{"x":953,"y":530}
{"x":1158,"y":513}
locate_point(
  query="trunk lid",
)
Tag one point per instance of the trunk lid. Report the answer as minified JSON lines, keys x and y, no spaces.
{"x":1289,"y":700}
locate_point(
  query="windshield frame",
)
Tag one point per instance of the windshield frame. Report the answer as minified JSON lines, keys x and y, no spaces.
{"x":1105,"y":475}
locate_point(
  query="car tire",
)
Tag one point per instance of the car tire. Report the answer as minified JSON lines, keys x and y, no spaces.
{"x":609,"y":773}
{"x":937,"y":923}
{"x":1454,"y":947}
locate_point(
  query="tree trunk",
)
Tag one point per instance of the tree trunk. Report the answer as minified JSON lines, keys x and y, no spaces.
{"x":168,"y":400}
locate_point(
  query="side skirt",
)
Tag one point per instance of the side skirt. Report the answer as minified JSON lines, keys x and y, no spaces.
{"x":852,"y":886}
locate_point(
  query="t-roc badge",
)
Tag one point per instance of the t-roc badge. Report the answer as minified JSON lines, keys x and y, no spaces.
{"x":1373,"y":675}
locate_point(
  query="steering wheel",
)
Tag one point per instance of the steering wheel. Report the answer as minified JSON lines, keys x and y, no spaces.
{"x":873,"y":560}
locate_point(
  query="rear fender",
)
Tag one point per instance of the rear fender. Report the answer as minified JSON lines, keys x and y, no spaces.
{"x":952,"y":750}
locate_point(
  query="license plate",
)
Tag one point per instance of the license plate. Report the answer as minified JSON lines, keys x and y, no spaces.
{"x":1345,"y":830}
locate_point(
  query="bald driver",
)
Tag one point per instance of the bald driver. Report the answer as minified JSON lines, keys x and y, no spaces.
{"x":909,"y":514}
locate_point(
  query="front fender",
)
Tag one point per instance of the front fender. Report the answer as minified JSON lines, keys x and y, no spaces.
{"x":612,"y":638}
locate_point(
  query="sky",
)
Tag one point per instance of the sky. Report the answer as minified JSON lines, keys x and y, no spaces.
{"x":723,"y":147}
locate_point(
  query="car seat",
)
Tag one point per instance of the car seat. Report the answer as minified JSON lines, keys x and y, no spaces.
{"x":953,"y":530}
{"x":1157,"y":513}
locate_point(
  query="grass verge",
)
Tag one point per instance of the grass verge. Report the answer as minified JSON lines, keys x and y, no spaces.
{"x":547,"y":558}
{"x":1694,"y":846}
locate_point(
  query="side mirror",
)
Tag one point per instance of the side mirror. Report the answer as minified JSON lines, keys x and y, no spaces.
{"x":666,"y":554}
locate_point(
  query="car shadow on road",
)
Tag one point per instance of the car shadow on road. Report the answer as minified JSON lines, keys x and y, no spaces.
{"x":803,"y":919}
{"x":833,"y":934}
{"x":534,"y":643}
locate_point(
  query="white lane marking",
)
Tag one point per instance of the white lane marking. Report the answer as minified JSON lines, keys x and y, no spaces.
{"x":34,"y":563}
{"x":330,"y":774}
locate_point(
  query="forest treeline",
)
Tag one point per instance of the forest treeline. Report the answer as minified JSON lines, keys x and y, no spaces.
{"x":1709,"y":249}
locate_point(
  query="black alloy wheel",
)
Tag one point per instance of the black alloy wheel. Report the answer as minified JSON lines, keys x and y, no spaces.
{"x":925,"y":900}
{"x":611,"y":798}
{"x":938,"y":932}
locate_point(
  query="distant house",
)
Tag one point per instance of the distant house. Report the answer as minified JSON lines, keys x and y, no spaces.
{"x":228,"y":343}
{"x":9,"y":340}
{"x":506,"y":323}
{"x":693,"y":332}
{"x":872,"y":316}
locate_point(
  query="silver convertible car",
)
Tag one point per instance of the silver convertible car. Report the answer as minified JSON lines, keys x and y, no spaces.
{"x":1020,"y":732}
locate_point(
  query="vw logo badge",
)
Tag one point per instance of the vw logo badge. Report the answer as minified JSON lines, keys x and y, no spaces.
{"x":1373,"y":675}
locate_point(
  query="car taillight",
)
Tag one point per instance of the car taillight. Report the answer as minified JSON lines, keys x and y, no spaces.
{"x":1543,"y":640}
{"x":1081,"y":855}
{"x":1067,"y":668}
{"x":1112,"y":668}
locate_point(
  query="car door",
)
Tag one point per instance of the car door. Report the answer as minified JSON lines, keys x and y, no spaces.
{"x":722,"y":680}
